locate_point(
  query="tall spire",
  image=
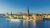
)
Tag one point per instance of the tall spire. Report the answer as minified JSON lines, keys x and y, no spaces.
{"x":28,"y":11}
{"x":11,"y":12}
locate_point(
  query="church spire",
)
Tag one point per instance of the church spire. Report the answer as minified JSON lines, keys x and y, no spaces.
{"x":28,"y":11}
{"x":11,"y":12}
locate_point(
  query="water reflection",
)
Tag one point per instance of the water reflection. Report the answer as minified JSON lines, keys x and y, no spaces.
{"x":47,"y":24}
{"x":27,"y":24}
{"x":39,"y":24}
{"x":34,"y":24}
{"x":4,"y":23}
{"x":16,"y":24}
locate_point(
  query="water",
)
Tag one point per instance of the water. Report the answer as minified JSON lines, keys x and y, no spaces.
{"x":4,"y":23}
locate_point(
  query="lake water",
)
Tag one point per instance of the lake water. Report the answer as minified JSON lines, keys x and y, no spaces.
{"x":4,"y":23}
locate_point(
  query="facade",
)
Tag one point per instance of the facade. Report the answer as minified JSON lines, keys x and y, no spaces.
{"x":27,"y":16}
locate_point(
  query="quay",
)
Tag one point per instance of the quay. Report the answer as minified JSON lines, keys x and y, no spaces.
{"x":28,"y":16}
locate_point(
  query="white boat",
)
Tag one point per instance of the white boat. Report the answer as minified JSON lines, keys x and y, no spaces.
{"x":15,"y":20}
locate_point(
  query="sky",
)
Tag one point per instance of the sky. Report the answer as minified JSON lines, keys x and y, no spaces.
{"x":35,"y":6}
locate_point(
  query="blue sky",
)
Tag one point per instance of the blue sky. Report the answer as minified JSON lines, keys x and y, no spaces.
{"x":35,"y":6}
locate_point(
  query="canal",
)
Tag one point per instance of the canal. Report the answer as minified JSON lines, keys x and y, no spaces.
{"x":4,"y":23}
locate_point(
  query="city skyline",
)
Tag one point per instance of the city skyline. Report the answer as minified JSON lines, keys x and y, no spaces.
{"x":35,"y":6}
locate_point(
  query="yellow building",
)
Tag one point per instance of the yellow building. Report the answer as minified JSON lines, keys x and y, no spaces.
{"x":38,"y":17}
{"x":47,"y":16}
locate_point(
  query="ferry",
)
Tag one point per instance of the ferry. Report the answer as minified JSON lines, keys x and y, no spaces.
{"x":12,"y":18}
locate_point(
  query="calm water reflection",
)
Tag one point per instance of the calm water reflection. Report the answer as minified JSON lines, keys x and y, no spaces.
{"x":4,"y":23}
